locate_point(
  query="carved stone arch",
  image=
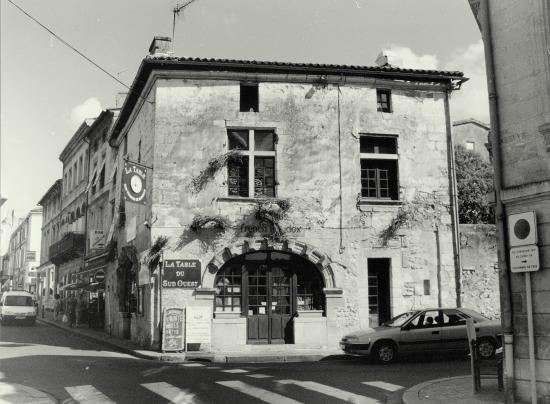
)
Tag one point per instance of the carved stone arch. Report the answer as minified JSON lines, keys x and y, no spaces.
{"x":320,"y":260}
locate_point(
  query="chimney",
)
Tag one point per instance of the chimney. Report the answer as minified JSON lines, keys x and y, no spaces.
{"x":388,"y":58}
{"x":161,"y":46}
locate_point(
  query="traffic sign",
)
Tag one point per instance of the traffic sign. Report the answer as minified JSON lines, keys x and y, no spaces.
{"x":524,"y":259}
{"x":522,"y":229}
{"x":99,"y":276}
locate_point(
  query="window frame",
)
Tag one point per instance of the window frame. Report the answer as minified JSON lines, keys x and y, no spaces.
{"x":251,"y":153}
{"x":387,"y":157}
{"x":381,"y":108}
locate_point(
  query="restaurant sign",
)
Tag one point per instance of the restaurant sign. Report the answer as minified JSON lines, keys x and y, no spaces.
{"x":172,"y":329}
{"x":181,"y":274}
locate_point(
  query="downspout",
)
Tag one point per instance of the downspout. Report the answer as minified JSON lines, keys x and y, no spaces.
{"x":453,"y":202}
{"x":504,"y":277}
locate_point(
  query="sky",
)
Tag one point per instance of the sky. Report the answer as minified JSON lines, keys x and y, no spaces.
{"x":47,"y":90}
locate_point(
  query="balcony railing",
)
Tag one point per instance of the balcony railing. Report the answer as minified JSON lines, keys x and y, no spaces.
{"x":71,"y":246}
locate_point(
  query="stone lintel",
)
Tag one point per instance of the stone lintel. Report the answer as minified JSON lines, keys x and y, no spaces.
{"x":205,"y":293}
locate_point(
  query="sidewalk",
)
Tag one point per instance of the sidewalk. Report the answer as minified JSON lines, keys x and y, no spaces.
{"x":130,"y":348}
{"x":17,"y":393}
{"x":456,"y":390}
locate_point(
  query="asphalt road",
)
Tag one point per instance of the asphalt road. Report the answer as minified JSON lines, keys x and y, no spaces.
{"x":71,"y":369}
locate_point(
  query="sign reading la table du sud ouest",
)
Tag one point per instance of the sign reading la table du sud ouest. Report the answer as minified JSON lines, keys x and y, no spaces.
{"x":181,"y":274}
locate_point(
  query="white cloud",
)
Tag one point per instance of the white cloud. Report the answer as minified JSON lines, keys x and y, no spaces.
{"x":88,"y":109}
{"x":410,"y":60}
{"x":471,"y":101}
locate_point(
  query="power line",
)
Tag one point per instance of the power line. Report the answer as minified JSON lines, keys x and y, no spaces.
{"x":69,"y":45}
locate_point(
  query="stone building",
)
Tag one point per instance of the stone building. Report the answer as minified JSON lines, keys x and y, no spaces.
{"x":24,"y":252}
{"x":289,"y":202}
{"x":473,"y":135}
{"x":51,"y":224}
{"x":68,"y":252}
{"x":516,"y":36}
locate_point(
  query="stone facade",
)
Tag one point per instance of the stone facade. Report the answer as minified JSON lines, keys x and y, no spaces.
{"x":180,"y":124}
{"x":472,"y":135}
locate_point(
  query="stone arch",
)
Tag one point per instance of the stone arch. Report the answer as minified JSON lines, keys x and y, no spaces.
{"x":320,"y":260}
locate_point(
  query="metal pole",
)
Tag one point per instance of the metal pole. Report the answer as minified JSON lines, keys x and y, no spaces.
{"x":530,"y":334}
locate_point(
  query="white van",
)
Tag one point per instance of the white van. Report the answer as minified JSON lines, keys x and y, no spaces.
{"x":17,"y":305}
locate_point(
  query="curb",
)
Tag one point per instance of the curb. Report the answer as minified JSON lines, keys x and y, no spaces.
{"x":411,"y":395}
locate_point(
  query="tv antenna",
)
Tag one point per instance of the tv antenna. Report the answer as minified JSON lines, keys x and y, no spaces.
{"x":176,"y":11}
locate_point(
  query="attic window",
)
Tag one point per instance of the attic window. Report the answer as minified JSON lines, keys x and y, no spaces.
{"x":249,"y":98}
{"x":383,"y":100}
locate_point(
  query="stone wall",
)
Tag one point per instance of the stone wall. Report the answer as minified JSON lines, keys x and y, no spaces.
{"x":480,"y":288}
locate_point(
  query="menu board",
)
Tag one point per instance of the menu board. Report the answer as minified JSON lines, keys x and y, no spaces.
{"x":172,"y":329}
{"x":198,"y":322}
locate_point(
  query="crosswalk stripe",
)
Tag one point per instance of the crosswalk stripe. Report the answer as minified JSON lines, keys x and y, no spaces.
{"x":235,"y":371}
{"x":213,"y":367}
{"x":191,"y":365}
{"x":88,"y":394}
{"x":332,"y":391}
{"x":256,"y":392}
{"x":172,"y":393}
{"x":259,"y":376}
{"x":384,"y":385}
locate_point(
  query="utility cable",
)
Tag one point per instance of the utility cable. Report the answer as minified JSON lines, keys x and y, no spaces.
{"x":69,"y":45}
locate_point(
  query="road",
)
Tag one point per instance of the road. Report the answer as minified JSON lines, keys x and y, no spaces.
{"x":70,"y":369}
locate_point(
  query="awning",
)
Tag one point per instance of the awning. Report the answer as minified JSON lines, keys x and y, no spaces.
{"x":92,"y":287}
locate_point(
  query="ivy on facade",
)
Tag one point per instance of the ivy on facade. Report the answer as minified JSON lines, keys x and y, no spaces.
{"x":214,"y":165}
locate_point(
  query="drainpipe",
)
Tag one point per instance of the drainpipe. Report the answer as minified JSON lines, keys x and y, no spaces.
{"x":454,"y":202}
{"x":504,"y":281}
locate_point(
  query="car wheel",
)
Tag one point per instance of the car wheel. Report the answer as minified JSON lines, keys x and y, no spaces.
{"x":386,"y":352}
{"x":486,"y":348}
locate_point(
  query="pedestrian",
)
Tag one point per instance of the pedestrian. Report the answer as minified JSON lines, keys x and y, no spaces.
{"x":72,"y":303}
{"x":56,"y":307}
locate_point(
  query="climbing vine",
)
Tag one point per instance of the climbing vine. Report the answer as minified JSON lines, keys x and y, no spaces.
{"x":208,"y":222}
{"x":214,"y":165}
{"x":155,"y":252}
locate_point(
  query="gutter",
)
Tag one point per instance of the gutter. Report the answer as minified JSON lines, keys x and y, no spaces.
{"x":504,"y":276}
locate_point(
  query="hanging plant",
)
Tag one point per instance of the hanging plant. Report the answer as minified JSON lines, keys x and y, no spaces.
{"x":403,"y":216}
{"x":214,"y":165}
{"x":271,"y":213}
{"x":155,"y":252}
{"x":208,"y":222}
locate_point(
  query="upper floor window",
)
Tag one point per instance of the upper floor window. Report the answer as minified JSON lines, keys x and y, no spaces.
{"x":249,"y":98}
{"x":383,"y":100}
{"x":254,"y":174}
{"x":379,"y":169}
{"x":470,"y":146}
{"x":102,"y":177}
{"x":81,"y":164}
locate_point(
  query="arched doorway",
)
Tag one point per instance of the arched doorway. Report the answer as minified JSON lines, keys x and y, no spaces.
{"x":269,"y":288}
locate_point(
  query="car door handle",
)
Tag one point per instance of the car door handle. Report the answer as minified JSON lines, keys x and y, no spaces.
{"x":435,"y":332}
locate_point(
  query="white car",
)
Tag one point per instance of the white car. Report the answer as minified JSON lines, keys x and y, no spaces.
{"x":17,"y":305}
{"x":426,"y":330}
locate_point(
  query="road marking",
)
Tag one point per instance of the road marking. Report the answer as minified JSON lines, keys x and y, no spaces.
{"x":256,"y":392}
{"x":235,"y":371}
{"x":213,"y":367}
{"x":384,"y":385}
{"x":259,"y":376}
{"x":88,"y":394}
{"x":150,"y":372}
{"x":332,"y":391}
{"x":172,"y":393}
{"x":191,"y":365}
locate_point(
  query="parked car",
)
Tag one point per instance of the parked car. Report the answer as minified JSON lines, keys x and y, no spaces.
{"x":426,"y":330}
{"x":17,"y":305}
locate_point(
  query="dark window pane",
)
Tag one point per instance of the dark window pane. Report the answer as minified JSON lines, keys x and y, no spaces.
{"x":264,"y":176}
{"x":237,"y":180}
{"x":249,"y":98}
{"x":264,"y":140}
{"x":238,"y":139}
{"x":379,"y":179}
{"x":378,"y":144}
{"x":383,"y":98}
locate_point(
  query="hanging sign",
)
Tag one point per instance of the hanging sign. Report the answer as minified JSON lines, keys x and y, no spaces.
{"x":172,"y":329}
{"x":181,"y":274}
{"x":97,"y":239}
{"x":134,"y":178}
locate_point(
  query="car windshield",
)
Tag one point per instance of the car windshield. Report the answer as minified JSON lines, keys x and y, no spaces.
{"x":18,"y":301}
{"x":399,"y":320}
{"x":474,"y":314}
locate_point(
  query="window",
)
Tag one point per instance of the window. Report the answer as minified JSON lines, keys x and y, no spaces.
{"x":102,"y":178}
{"x":426,"y":287}
{"x":93,"y":184}
{"x":379,"y":171}
{"x":81,"y":169}
{"x":75,"y":171}
{"x":139,"y":151}
{"x":470,"y":146}
{"x":252,"y":175}
{"x":125,"y":145}
{"x":228,"y":289}
{"x":70,"y":178}
{"x":249,"y":98}
{"x":383,"y":100}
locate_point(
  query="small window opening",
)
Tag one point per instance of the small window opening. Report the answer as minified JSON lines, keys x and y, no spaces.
{"x":383,"y":99}
{"x":426,"y":287}
{"x":139,"y":151}
{"x":249,"y":98}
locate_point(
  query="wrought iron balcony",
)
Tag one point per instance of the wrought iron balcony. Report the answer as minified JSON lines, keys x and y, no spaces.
{"x":71,"y":246}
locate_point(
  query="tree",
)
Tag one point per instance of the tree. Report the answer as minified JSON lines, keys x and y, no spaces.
{"x":474,"y":178}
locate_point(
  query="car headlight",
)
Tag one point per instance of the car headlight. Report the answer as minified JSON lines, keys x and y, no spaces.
{"x":351,"y":339}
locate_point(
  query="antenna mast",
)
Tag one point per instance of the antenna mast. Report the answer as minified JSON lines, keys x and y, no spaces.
{"x":176,"y":11}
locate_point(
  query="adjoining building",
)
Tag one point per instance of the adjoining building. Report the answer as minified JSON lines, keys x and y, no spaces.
{"x":68,"y":252}
{"x":473,"y":135}
{"x":287,"y":203}
{"x":51,"y":230}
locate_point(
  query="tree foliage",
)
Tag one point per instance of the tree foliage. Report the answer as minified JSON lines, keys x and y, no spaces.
{"x":474,"y":179}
